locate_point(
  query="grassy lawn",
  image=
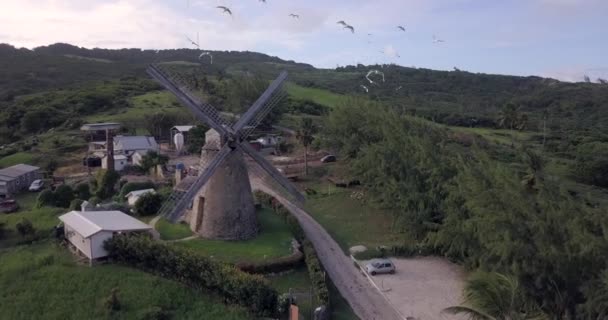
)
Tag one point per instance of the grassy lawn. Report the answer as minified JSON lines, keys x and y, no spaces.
{"x":319,"y":96}
{"x":151,"y":102}
{"x":27,"y":200}
{"x":17,"y":158}
{"x":349,"y":221}
{"x":172,"y":231}
{"x":273,"y":241}
{"x":42,"y":282}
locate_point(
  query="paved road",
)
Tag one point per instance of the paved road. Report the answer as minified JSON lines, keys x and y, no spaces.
{"x":364,"y":299}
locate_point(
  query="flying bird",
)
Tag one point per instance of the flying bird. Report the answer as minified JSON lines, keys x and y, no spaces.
{"x":206,"y":54}
{"x":342,"y":23}
{"x":225,"y":10}
{"x":365,"y":88}
{"x":435,"y":40}
{"x":398,"y":88}
{"x":401,"y":28}
{"x":295,"y":16}
{"x":352,"y":29}
{"x":192,"y":41}
{"x":263,"y":1}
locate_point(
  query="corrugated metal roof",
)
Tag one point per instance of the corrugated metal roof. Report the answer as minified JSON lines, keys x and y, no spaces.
{"x":139,"y":192}
{"x":134,"y":143}
{"x":183,"y":128}
{"x":17,"y":170}
{"x":88,"y":223}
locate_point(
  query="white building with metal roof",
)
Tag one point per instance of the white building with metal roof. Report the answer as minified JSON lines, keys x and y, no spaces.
{"x":88,"y":230}
{"x":128,"y":145}
{"x":133,"y":196}
{"x":16,"y":178}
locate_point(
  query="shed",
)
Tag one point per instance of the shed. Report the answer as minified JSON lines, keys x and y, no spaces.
{"x":16,"y":178}
{"x":180,"y":129}
{"x":120,"y":162}
{"x":88,"y":230}
{"x":133,"y":196}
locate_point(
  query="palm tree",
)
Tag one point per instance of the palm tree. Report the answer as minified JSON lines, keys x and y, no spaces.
{"x":509,"y":116}
{"x":304,"y":134}
{"x":493,"y":296}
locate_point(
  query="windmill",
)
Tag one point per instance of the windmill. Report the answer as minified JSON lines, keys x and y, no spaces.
{"x":221,"y":197}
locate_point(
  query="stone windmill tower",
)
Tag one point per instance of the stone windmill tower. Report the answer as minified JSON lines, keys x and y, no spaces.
{"x":221,"y":197}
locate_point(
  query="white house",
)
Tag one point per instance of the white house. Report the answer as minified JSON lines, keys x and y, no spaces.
{"x":133,"y":196}
{"x":87,"y":230}
{"x":128,"y":145}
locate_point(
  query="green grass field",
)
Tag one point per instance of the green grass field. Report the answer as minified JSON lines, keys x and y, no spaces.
{"x":151,"y":102}
{"x":17,"y":158}
{"x":43,"y":282}
{"x":172,"y":231}
{"x":351,"y":222}
{"x":319,"y":96}
{"x":273,"y":241}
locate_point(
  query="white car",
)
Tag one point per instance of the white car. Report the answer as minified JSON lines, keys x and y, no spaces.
{"x":36,"y":185}
{"x":378,"y":266}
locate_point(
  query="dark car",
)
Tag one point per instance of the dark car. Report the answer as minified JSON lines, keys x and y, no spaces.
{"x":328,"y":158}
{"x":8,"y":206}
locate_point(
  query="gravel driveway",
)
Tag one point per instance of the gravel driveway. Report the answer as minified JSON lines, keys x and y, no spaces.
{"x":364,"y":299}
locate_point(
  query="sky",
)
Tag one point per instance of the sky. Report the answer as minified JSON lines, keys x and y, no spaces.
{"x":562,"y":39}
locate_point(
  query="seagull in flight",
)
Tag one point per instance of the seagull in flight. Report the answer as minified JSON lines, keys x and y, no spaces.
{"x":402,"y":28}
{"x":342,"y":23}
{"x":225,"y":10}
{"x":435,"y":40}
{"x":192,"y":41}
{"x":352,"y":29}
{"x":295,"y":16}
{"x":365,"y":88}
{"x":263,"y":1}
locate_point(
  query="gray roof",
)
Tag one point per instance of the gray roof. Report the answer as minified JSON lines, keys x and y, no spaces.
{"x":182,"y":128}
{"x":100,"y":126}
{"x":15,"y":171}
{"x":139,"y":192}
{"x":134,"y":143}
{"x":88,"y":223}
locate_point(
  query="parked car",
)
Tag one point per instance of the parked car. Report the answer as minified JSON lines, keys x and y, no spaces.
{"x":36,"y":185}
{"x":378,"y":266}
{"x":8,"y":206}
{"x":328,"y":158}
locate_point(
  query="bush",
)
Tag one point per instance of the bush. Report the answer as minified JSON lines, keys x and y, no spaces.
{"x":25,"y":228}
{"x":82,"y":191}
{"x":112,"y":303}
{"x":94,"y":201}
{"x":153,"y":313}
{"x":148,"y":204}
{"x":106,"y":181}
{"x":591,"y":165}
{"x":45,"y":198}
{"x":195,"y":270}
{"x":76,"y":204}
{"x":274,"y":265}
{"x":132,"y":186}
{"x":63,"y":195}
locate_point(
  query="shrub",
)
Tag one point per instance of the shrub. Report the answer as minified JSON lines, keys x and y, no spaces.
{"x":76,"y":204}
{"x":132,"y":186}
{"x":591,"y":165}
{"x":148,"y":204}
{"x":274,"y":265}
{"x":82,"y":191}
{"x":94,"y":200}
{"x":195,"y":270}
{"x":106,"y":180}
{"x":63,"y":195}
{"x":25,"y":228}
{"x":153,"y":313}
{"x":112,"y":303}
{"x":45,"y":198}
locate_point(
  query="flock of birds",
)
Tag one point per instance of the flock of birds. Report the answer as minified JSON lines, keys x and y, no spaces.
{"x":344,"y":24}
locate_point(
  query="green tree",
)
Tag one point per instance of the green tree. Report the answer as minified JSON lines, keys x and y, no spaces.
{"x":82,"y":191}
{"x":106,"y":183}
{"x":591,"y":164}
{"x":45,"y":198}
{"x":305,"y":135}
{"x":196,"y":139}
{"x":151,"y":160}
{"x":63,"y":195}
{"x":493,"y":296}
{"x":148,"y":204}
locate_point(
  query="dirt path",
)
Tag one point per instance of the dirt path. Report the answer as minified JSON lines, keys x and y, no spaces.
{"x":364,"y":299}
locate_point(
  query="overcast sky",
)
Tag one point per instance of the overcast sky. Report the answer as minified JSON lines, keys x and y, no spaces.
{"x":564,"y":39}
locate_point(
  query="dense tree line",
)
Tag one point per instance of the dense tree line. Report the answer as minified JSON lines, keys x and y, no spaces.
{"x":457,"y":201}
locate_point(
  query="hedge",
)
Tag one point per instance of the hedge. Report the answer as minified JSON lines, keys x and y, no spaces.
{"x":273,"y":266}
{"x":315,"y":269}
{"x":194,"y":270}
